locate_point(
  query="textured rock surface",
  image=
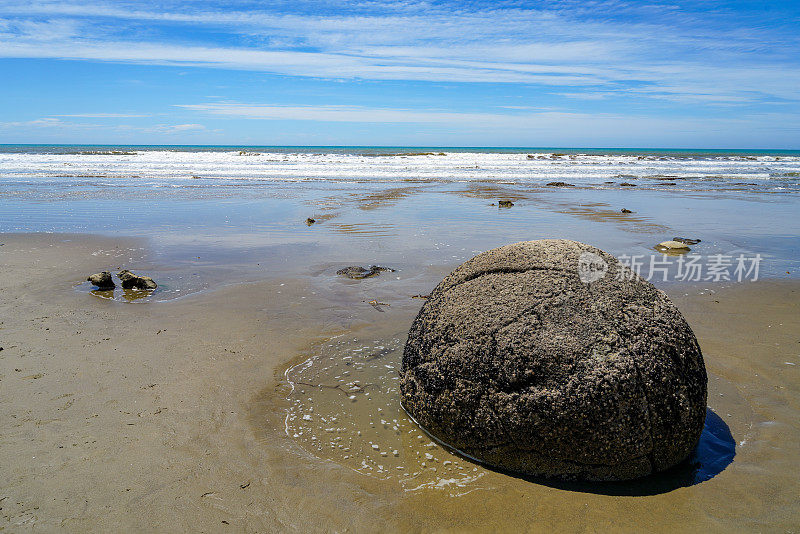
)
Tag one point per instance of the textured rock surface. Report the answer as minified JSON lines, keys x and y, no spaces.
{"x":102,"y":280}
{"x":515,"y":361}
{"x":357,"y":272}
{"x":132,"y":281}
{"x":673,"y":245}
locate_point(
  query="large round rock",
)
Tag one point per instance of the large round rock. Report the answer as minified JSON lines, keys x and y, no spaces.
{"x":524,"y":361}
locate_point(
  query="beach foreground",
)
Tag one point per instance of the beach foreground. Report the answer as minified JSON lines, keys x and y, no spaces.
{"x":183,"y":414}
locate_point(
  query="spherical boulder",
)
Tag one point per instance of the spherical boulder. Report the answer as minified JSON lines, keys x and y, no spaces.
{"x":550,"y":358}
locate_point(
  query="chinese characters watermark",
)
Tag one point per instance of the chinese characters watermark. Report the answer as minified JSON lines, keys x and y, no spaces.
{"x":684,"y":268}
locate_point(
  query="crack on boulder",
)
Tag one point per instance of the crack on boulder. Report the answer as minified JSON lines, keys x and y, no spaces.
{"x":640,"y":383}
{"x":506,"y":270}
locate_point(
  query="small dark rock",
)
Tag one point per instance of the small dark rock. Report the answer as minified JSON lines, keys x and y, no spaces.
{"x":505,"y":203}
{"x":626,"y":184}
{"x":132,"y":281}
{"x":686,"y":240}
{"x":310,"y":221}
{"x":102,"y":280}
{"x":531,"y":156}
{"x":357,"y":272}
{"x":560,"y":184}
{"x":625,"y":210}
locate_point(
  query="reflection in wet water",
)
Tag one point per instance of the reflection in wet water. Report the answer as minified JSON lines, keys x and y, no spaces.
{"x":344,"y":406}
{"x":123,"y":295}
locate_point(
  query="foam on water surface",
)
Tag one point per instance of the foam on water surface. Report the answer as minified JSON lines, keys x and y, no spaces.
{"x":206,"y":168}
{"x":344,"y":406}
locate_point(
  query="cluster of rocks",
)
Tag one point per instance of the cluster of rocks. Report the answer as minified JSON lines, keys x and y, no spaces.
{"x":128,"y":280}
{"x":518,"y":361}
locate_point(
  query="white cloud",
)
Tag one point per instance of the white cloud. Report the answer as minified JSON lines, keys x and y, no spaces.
{"x":691,"y":62}
{"x":55,"y":124}
{"x":175,"y":128}
{"x":44,"y":123}
{"x":103,"y":115}
{"x":557,"y":122}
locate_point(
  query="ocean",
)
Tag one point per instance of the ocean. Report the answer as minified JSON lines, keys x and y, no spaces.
{"x":58,"y":167}
{"x":238,"y":205}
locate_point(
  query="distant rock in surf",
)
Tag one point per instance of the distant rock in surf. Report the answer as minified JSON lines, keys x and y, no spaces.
{"x":310,"y":221}
{"x":560,"y":184}
{"x":625,"y":210}
{"x":627,"y":184}
{"x":686,"y":240}
{"x":505,"y":203}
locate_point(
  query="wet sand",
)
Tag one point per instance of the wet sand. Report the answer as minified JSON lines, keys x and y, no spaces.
{"x":181,"y":414}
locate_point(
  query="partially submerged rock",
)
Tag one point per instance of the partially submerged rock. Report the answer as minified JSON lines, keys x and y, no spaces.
{"x":356,"y":272}
{"x":627,"y":184}
{"x":625,"y":210}
{"x":310,"y":221}
{"x":102,"y":280}
{"x":686,"y":240}
{"x":673,"y":245}
{"x":560,"y":184}
{"x":505,"y":203}
{"x":521,"y":362}
{"x":132,"y":281}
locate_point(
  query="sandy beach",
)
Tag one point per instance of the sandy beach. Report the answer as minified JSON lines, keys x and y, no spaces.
{"x":172,"y":415}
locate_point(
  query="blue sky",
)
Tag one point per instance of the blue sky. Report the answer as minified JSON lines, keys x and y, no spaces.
{"x":561,"y":73}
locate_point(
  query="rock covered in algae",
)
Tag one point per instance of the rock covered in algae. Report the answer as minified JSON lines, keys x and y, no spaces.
{"x":523,"y":362}
{"x":132,"y":281}
{"x":673,"y":245}
{"x":102,"y":280}
{"x":357,"y":272}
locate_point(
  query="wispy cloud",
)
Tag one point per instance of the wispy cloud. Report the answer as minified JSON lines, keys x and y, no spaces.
{"x":525,"y":120}
{"x":175,"y":128}
{"x":104,"y":115}
{"x":45,"y":123}
{"x":687,"y":58}
{"x":55,"y":124}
